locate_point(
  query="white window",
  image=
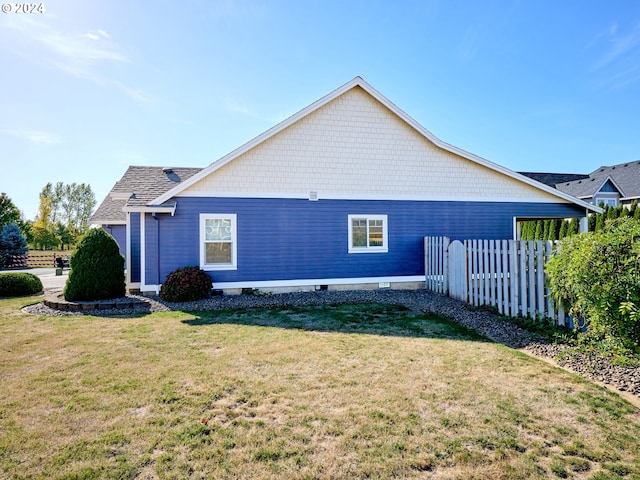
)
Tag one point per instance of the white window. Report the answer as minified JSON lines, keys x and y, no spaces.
{"x":218,"y":245}
{"x":368,"y":234}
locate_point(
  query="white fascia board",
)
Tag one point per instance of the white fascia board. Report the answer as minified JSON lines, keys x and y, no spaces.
{"x":358,"y":81}
{"x":151,"y":209}
{"x":306,"y":282}
{"x":108,"y":222}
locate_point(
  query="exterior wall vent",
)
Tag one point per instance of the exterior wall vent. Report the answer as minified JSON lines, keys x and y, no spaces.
{"x":313,"y":196}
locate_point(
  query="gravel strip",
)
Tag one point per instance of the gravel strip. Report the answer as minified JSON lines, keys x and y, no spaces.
{"x":626,"y":379}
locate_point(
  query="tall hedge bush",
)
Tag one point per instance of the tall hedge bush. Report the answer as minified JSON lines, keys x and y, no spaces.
{"x":597,"y":276}
{"x":97,"y":268}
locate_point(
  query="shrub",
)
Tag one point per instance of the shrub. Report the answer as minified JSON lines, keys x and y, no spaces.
{"x":97,"y":268}
{"x":185,"y":285}
{"x":597,"y":276}
{"x":19,"y":284}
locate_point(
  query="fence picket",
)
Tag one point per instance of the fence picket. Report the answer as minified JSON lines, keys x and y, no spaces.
{"x":506,"y":274}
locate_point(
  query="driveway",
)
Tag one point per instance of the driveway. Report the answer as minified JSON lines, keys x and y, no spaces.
{"x":50,"y":281}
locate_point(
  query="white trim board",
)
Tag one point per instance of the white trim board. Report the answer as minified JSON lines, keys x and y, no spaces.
{"x":304,"y":282}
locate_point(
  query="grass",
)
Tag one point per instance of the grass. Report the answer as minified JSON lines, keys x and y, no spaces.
{"x":355,"y":391}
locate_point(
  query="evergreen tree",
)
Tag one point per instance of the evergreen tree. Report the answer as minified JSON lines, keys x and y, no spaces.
{"x":97,"y":268}
{"x":592,"y":222}
{"x":574,"y":226}
{"x":539,"y":230}
{"x":563,"y":229}
{"x":600,"y":221}
{"x":545,"y":230}
{"x":623,"y":211}
{"x":554,"y":229}
{"x":12,"y":244}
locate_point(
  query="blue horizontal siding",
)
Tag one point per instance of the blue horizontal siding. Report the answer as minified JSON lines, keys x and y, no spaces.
{"x":136,"y":268}
{"x":119,"y":233}
{"x":287,"y":239}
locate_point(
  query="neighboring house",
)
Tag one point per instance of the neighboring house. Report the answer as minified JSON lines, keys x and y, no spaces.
{"x":340,"y":194}
{"x":611,"y":186}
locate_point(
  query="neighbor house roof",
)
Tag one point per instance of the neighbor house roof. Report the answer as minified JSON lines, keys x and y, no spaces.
{"x":624,"y":176}
{"x":552,"y":179}
{"x":137,"y":188}
{"x":359,"y":82}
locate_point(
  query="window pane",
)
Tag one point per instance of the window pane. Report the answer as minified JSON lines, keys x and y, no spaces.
{"x":359,"y":233}
{"x":217,"y":253}
{"x":375,"y":233}
{"x":218,"y":229}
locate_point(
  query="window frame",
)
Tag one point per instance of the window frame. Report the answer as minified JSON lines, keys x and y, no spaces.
{"x":234,"y":241}
{"x":384,"y":248}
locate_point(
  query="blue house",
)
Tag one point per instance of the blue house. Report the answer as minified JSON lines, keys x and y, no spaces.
{"x":339,"y":195}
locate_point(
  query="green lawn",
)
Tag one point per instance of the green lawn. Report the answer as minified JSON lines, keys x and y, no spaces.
{"x":361,"y":391}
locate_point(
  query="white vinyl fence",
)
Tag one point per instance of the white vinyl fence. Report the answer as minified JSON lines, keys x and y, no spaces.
{"x":505,"y":274}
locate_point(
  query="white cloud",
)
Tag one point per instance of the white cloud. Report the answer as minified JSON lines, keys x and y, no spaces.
{"x":620,"y":60}
{"x":33,"y":136}
{"x":83,"y":55}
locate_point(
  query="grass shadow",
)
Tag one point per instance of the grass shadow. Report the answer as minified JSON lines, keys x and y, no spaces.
{"x":357,"y":318}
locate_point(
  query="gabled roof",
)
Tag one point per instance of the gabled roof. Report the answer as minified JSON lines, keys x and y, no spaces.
{"x":589,"y":187}
{"x":625,"y":177}
{"x":359,"y":82}
{"x":136,"y":189}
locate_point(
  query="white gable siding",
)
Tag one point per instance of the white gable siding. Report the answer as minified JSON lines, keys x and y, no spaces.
{"x":355,"y":147}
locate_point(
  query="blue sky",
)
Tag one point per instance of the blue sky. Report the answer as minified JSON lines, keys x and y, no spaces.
{"x":91,"y":87}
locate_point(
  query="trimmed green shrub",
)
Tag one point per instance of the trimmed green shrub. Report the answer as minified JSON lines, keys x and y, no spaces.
{"x":97,"y":268}
{"x":19,"y":284}
{"x":185,"y":285}
{"x":597,"y":276}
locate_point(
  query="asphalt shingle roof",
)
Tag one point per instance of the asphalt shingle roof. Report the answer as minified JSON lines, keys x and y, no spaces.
{"x":142,"y":185}
{"x":552,"y":179}
{"x":625,"y":175}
